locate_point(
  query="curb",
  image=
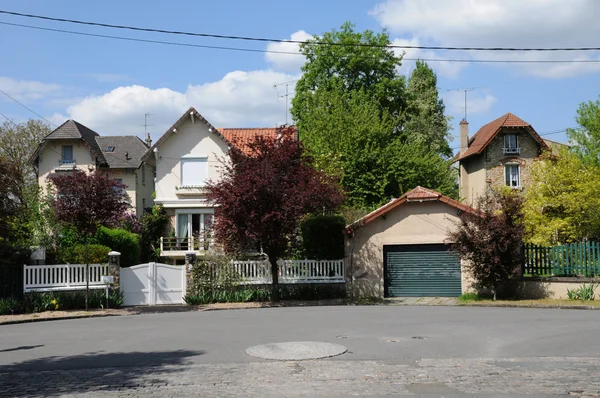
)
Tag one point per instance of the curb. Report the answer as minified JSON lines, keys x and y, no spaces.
{"x":554,"y":307}
{"x":60,"y":318}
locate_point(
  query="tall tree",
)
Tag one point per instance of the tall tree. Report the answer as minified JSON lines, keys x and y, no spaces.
{"x":262,"y":196}
{"x":87,"y":201}
{"x":350,"y":108}
{"x":562,"y":203}
{"x":490,"y":240}
{"x":587,"y":137}
{"x":426,"y":122}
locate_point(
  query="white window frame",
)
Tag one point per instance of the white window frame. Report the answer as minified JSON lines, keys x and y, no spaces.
{"x":518,"y":166}
{"x":62,"y":158}
{"x":511,"y":149}
{"x":192,"y":159}
{"x":189,"y":212}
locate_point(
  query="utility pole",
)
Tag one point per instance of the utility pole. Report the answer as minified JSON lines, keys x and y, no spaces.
{"x":286,"y":96}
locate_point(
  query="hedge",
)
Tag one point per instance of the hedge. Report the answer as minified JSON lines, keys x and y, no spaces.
{"x":125,"y":242}
{"x":322,"y":237}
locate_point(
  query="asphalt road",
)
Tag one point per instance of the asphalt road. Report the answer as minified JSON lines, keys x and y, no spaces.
{"x":428,"y":351}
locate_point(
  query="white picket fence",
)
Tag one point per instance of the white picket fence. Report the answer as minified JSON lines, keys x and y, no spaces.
{"x":45,"y":278}
{"x":291,"y":271}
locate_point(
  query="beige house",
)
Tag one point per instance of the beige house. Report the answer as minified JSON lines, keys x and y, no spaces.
{"x":400,"y":249}
{"x":186,"y":157}
{"x":74,"y":146}
{"x":499,"y":154}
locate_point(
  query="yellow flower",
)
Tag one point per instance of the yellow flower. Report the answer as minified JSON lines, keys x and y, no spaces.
{"x":53,"y":301}
{"x":56,"y":307}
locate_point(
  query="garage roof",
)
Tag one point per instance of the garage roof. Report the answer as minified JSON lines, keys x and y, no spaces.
{"x":418,"y":194}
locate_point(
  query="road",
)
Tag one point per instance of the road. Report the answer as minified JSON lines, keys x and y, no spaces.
{"x":392,"y":350}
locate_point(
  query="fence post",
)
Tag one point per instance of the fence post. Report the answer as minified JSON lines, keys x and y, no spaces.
{"x":114,"y":268}
{"x":190,"y":259}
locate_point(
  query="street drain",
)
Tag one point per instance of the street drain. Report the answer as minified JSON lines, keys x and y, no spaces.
{"x":296,"y":350}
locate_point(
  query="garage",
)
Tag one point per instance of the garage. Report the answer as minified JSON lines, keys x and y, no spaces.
{"x":428,"y":270}
{"x":400,"y":249}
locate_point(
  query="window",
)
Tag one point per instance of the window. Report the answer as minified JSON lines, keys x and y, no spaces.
{"x":143,"y":174}
{"x":194,"y":171}
{"x":110,"y":149}
{"x":511,"y":143}
{"x":194,"y":229}
{"x":67,"y":154}
{"x":120,"y":181}
{"x":513,"y":175}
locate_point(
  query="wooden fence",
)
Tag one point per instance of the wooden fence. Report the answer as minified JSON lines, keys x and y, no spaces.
{"x":42,"y":278}
{"x":11,"y":281}
{"x":580,"y":259}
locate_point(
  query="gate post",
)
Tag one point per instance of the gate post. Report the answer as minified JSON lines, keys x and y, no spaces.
{"x":190,"y":259}
{"x":114,"y":267}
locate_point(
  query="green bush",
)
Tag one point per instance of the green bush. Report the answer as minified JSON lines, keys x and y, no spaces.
{"x":213,"y":273}
{"x":468,"y":297}
{"x":242,"y":295}
{"x":125,"y":242}
{"x":323,"y":237}
{"x":312,"y":292}
{"x":153,"y":227}
{"x":97,"y":254}
{"x":583,"y":293}
{"x":10,"y":305}
{"x":73,"y":300}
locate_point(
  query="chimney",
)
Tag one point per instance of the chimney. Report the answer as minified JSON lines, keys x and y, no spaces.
{"x":464,"y":136}
{"x":148,"y":141}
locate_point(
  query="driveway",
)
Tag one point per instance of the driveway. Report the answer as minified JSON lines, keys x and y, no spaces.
{"x":427,"y":351}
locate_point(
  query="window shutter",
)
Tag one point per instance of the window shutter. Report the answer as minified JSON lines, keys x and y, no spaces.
{"x":194,"y":172}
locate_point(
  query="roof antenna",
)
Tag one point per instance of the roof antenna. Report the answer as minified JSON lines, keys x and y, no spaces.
{"x":465,"y":90}
{"x":286,"y":96}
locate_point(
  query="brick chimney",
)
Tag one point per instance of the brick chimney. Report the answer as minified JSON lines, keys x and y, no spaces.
{"x":148,"y":141}
{"x":464,"y":136}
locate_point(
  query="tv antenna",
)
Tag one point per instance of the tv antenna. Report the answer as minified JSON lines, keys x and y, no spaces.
{"x":286,"y":96}
{"x":465,"y":91}
{"x":146,"y":125}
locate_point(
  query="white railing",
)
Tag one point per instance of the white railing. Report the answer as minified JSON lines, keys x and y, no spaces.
{"x":291,"y":271}
{"x":45,"y":278}
{"x":511,"y":149}
{"x":189,"y":243}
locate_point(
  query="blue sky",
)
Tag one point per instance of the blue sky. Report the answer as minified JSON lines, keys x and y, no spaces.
{"x":109,"y":84}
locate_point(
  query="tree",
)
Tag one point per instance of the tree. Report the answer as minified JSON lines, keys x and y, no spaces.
{"x":587,"y":138}
{"x":262,"y":197}
{"x":426,"y":122}
{"x":12,"y":245}
{"x":490,"y":240}
{"x":86,"y":201}
{"x":350,"y":107}
{"x":562,"y":204}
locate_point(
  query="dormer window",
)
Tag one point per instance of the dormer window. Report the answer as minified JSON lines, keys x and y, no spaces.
{"x":109,"y":149}
{"x":511,"y":144}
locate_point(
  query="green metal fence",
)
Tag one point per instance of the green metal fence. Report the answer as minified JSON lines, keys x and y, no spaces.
{"x":574,"y":259}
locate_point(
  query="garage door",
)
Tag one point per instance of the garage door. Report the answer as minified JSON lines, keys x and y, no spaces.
{"x":421,"y":271}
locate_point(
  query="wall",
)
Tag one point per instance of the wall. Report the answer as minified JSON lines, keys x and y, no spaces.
{"x":189,"y":140}
{"x":476,"y":177}
{"x":409,"y":223}
{"x":144,"y":191}
{"x":128,"y":177}
{"x":51,"y":153}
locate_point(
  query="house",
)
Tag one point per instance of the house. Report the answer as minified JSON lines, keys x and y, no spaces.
{"x":187,"y":156}
{"x":74,"y":146}
{"x":400,"y":249}
{"x":499,"y":154}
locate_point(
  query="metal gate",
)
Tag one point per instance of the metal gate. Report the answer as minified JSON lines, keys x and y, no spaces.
{"x":153,"y":283}
{"x":421,"y":271}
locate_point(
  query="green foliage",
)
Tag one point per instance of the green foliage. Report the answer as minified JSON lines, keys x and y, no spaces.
{"x":125,"y":242}
{"x":353,"y":113}
{"x":154,"y":225}
{"x":322,"y":237}
{"x":240,"y":295}
{"x":469,"y":297}
{"x":587,"y":137}
{"x":583,"y":293}
{"x":10,"y":305}
{"x":73,"y":300}
{"x":97,"y":254}
{"x":311,"y":292}
{"x":212,"y":273}
{"x":562,"y":204}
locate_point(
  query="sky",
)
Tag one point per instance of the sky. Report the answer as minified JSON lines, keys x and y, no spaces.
{"x":109,"y":85}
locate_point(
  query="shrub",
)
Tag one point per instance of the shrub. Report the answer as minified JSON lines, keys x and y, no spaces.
{"x":10,"y":305}
{"x":73,"y":300}
{"x":153,"y":227}
{"x":242,"y":295}
{"x":312,"y":292}
{"x":322,"y":237}
{"x":212,"y":273}
{"x":97,"y":254}
{"x":125,"y":242}
{"x":468,"y":297}
{"x":583,"y":293}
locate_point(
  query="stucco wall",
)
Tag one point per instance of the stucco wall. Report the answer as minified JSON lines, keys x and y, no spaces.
{"x":51,"y":153}
{"x":192,"y":140}
{"x":476,"y":177}
{"x":409,"y":223}
{"x":555,"y":288}
{"x":146,"y":190}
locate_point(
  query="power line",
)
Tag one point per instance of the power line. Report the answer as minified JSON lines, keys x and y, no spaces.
{"x":28,"y":108}
{"x":7,"y":118}
{"x":271,"y":40}
{"x":289,"y":52}
{"x":551,"y":132}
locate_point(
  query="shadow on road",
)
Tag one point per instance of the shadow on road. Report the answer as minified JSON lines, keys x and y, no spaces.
{"x":53,"y":376}
{"x":23,"y":347}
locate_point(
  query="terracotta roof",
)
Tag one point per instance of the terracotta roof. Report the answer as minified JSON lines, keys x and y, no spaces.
{"x":418,"y":194}
{"x":486,"y":134}
{"x":241,"y":137}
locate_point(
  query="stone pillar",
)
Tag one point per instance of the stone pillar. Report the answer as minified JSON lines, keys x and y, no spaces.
{"x":114,"y":268}
{"x":190,"y":259}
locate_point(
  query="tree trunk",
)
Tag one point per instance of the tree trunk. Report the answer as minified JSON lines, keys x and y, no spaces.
{"x":494,"y":292}
{"x":87,"y":273}
{"x":275,"y":279}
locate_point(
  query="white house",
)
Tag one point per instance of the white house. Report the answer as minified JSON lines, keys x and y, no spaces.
{"x":187,"y":156}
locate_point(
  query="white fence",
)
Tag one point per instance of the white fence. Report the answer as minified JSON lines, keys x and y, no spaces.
{"x":45,"y":278}
{"x":291,"y":271}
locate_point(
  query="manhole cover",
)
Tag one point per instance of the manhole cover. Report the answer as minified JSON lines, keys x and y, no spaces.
{"x":296,"y":350}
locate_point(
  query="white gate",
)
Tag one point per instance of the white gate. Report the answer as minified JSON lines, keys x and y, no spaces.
{"x":153,"y":283}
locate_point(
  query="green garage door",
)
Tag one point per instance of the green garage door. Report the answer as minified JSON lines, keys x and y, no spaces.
{"x":421,"y":271}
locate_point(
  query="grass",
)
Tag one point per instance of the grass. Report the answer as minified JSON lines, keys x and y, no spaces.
{"x":476,"y":300}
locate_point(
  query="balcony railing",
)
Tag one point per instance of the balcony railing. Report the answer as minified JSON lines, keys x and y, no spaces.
{"x":67,"y":163}
{"x":512,"y":150}
{"x":173,"y":245}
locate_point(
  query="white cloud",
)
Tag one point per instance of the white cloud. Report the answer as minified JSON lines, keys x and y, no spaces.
{"x":288,"y":62}
{"x":239,"y":99}
{"x":501,"y":23}
{"x":477,"y":102}
{"x":28,"y":90}
{"x":446,"y":69}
